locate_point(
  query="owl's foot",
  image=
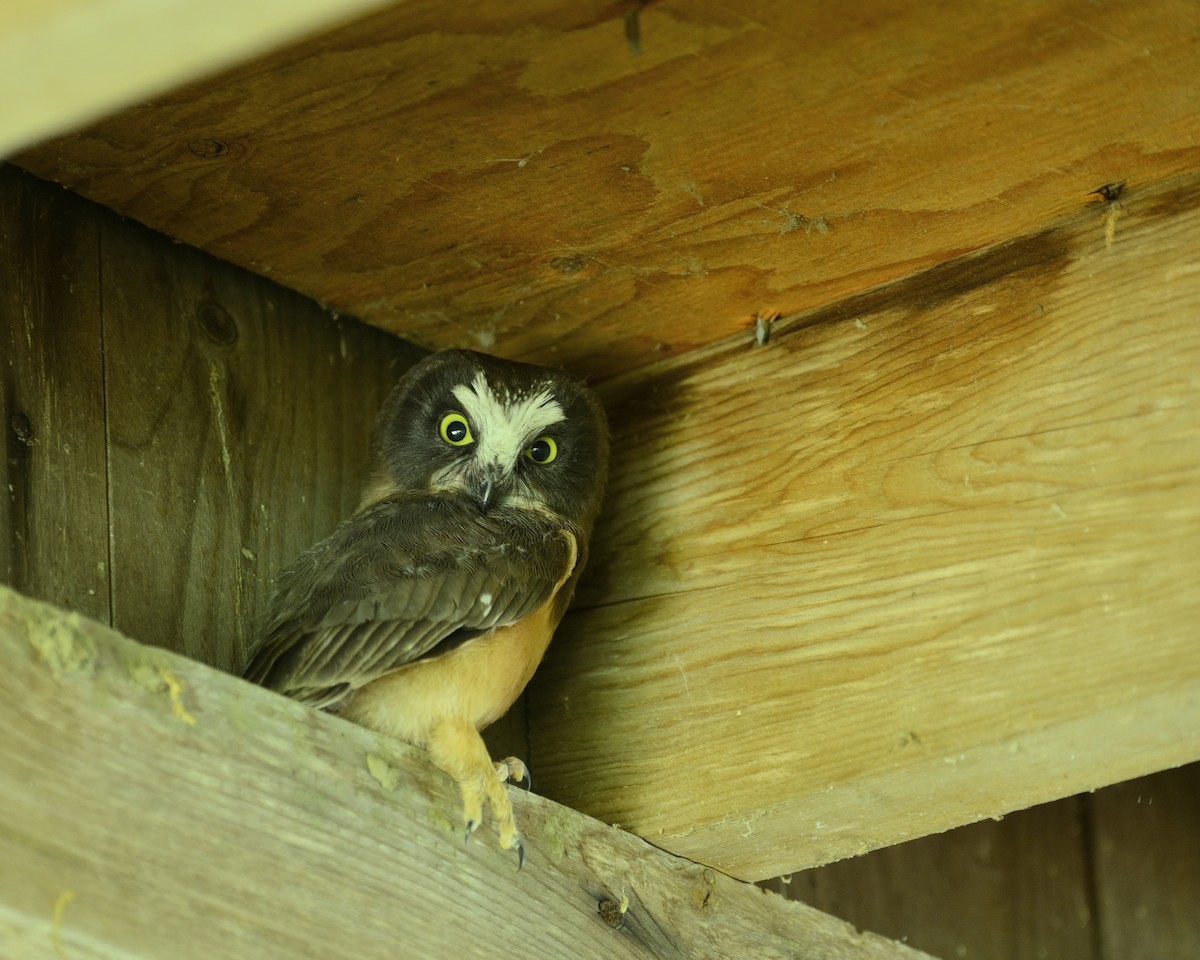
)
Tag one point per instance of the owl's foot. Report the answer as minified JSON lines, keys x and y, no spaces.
{"x":459,"y":750}
{"x":514,"y":770}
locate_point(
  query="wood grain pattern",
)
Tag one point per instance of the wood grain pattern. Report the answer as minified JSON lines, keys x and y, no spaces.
{"x":74,"y":60}
{"x":1147,"y":856}
{"x":190,"y":427}
{"x":1017,"y":889}
{"x":155,"y":808}
{"x":923,"y":559}
{"x":53,"y":480}
{"x":514,"y":178}
{"x":1111,"y":874}
{"x":239,"y":418}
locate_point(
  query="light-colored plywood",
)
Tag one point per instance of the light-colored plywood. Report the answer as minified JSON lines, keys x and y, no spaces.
{"x":64,"y":62}
{"x":924,"y":558}
{"x":155,"y":808}
{"x":514,"y":177}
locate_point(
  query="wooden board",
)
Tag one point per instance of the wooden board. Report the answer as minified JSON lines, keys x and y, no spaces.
{"x":155,"y":808}
{"x":192,"y":427}
{"x":925,"y":558}
{"x":1107,"y":875}
{"x":239,"y":415}
{"x":515,"y":177}
{"x":1017,"y":889}
{"x":54,"y":478}
{"x":73,"y":60}
{"x":1147,"y":856}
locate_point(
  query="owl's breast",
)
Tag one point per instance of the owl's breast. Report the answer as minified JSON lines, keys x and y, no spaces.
{"x":476,"y":681}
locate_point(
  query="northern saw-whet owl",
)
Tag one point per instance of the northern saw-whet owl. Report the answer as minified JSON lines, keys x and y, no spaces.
{"x":425,"y":614}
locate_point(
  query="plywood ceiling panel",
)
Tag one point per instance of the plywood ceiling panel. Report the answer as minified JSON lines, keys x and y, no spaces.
{"x":66,"y":62}
{"x":600,"y":183}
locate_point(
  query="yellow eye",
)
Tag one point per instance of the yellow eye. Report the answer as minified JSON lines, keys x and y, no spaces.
{"x":455,"y":430}
{"x":542,"y":450}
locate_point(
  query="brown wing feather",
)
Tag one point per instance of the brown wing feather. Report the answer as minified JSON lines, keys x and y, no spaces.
{"x":400,"y":581}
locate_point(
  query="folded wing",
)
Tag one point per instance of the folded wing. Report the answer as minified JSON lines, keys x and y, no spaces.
{"x":408,"y":578}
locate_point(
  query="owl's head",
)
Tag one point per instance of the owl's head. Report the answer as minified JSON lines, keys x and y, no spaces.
{"x":501,"y":432}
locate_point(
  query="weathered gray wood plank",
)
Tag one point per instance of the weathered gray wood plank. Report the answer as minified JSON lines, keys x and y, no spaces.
{"x":154,"y":807}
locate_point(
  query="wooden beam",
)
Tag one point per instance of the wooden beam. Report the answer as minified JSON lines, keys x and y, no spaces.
{"x":65,"y":62}
{"x":513,"y":177}
{"x":154,"y":807}
{"x":926,"y":557}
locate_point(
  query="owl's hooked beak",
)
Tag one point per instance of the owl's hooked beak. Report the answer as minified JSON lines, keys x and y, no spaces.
{"x":489,"y":487}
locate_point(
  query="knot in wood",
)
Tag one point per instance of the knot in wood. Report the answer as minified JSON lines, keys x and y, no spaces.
{"x":214,"y":148}
{"x":610,"y":912}
{"x":216,"y":322}
{"x":572,"y":264}
{"x":22,"y":428}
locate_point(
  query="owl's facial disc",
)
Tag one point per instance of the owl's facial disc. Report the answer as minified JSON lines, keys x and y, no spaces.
{"x":503,"y":424}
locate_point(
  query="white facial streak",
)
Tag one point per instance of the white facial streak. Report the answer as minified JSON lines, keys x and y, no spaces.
{"x":504,"y":425}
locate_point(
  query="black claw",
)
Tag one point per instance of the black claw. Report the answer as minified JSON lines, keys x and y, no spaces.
{"x":471,"y":827}
{"x":520,"y":856}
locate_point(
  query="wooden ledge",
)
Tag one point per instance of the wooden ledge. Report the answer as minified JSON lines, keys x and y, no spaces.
{"x":74,"y":60}
{"x":154,"y":807}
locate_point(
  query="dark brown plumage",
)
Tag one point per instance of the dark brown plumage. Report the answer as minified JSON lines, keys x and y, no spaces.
{"x":425,"y":613}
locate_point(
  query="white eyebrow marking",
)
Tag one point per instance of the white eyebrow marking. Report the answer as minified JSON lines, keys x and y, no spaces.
{"x":505,"y":425}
